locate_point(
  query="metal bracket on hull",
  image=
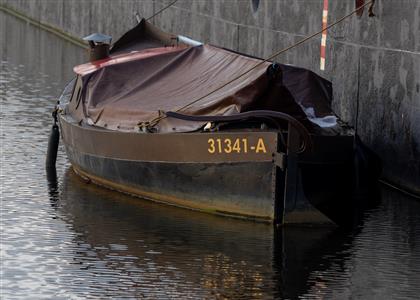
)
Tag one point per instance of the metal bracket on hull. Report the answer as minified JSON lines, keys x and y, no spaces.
{"x":279,"y":159}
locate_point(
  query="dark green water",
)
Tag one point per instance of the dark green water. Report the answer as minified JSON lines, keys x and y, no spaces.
{"x":76,"y":240}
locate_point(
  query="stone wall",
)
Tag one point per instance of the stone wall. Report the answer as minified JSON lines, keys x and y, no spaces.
{"x":380,"y":55}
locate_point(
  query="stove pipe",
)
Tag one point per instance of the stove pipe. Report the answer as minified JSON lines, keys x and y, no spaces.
{"x":98,"y":46}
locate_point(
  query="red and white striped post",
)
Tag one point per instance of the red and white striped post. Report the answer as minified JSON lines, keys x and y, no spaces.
{"x":324,"y":34}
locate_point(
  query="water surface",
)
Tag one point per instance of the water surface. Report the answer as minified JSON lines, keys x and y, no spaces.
{"x":75,"y":240}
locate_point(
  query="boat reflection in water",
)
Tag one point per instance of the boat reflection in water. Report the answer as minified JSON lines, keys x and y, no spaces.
{"x":148,"y":249}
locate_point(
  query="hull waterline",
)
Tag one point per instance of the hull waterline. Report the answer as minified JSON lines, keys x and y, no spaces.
{"x":242,"y":185}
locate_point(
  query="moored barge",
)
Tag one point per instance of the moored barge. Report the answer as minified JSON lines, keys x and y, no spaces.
{"x":202,"y":127}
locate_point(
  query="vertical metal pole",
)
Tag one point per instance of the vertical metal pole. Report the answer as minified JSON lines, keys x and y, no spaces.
{"x":278,"y":185}
{"x":290,"y":189}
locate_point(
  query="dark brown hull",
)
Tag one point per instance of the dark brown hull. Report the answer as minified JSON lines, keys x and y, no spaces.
{"x":178,"y":169}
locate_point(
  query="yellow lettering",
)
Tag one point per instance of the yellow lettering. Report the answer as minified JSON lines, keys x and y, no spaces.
{"x":211,"y":148}
{"x":245,"y":142}
{"x":228,"y":146}
{"x":260,"y":146}
{"x":219,"y":145}
{"x":237,"y":146}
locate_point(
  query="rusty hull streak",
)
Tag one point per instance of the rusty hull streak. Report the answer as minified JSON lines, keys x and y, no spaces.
{"x":166,"y":199}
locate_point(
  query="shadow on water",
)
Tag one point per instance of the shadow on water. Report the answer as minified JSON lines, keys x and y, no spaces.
{"x":157,"y":247}
{"x":229,"y":257}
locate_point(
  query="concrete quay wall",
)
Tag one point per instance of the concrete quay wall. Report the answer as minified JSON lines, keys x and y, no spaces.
{"x":376,"y":58}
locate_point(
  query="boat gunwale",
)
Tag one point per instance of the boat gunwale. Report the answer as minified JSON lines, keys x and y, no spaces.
{"x":164,"y":147}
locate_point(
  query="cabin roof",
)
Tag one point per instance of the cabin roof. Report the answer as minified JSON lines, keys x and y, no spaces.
{"x":150,"y":72}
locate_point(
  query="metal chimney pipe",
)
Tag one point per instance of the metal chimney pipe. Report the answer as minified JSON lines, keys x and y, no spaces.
{"x":99,"y":46}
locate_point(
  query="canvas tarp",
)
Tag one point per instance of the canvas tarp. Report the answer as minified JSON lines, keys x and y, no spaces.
{"x":121,"y":95}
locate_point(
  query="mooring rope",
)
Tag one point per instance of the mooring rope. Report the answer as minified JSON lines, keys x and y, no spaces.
{"x":158,"y":12}
{"x":159,"y":118}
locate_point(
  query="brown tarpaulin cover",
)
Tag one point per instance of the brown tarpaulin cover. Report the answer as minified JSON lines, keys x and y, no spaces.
{"x":121,"y":95}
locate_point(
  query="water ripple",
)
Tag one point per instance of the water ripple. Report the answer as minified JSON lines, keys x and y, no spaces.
{"x":73,"y":240}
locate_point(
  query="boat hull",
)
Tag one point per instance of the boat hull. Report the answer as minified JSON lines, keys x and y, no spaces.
{"x":229,"y":189}
{"x":186,"y":170}
{"x":183,"y":170}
